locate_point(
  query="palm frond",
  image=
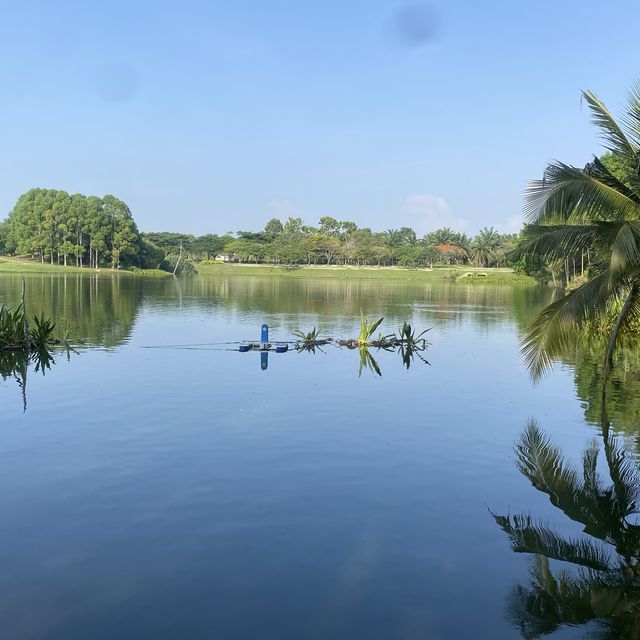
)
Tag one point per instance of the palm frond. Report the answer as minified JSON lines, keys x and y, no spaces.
{"x":625,"y":477}
{"x":551,"y":332}
{"x":630,"y":308}
{"x":631,"y":119}
{"x":556,"y":242}
{"x":529,"y":537}
{"x":567,"y":193}
{"x":543,"y":464}
{"x":625,"y":249}
{"x":613,"y":135}
{"x":630,"y":187}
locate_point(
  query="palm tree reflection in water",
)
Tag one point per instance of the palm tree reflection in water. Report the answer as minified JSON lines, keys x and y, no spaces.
{"x":603,"y":585}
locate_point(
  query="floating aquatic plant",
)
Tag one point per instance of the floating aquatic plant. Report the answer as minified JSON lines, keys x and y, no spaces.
{"x":367,"y":329}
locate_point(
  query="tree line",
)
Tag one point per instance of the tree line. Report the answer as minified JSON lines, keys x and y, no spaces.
{"x":56,"y":227}
{"x":342,"y":242}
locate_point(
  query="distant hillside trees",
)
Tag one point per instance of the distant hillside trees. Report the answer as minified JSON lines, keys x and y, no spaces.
{"x":73,"y":229}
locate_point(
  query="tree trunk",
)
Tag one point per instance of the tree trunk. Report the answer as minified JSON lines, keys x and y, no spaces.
{"x":177,"y":261}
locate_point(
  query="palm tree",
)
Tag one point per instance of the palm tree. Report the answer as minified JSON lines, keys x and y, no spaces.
{"x":594,"y":211}
{"x":452,"y":246}
{"x":442,"y":236}
{"x":485,"y":246}
{"x":392,"y":237}
{"x":605,"y":587}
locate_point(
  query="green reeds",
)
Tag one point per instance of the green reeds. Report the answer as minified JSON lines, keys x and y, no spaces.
{"x":310,"y":341}
{"x":16,"y":333}
{"x":367,"y":329}
{"x":367,"y":361}
{"x":311,"y":336}
{"x":407,"y":335}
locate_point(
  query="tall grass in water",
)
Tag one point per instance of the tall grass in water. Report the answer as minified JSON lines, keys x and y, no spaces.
{"x":367,"y":329}
{"x":16,"y":333}
{"x":24,"y":343}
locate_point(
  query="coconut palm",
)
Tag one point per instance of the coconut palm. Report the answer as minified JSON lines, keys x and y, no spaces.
{"x":605,"y":585}
{"x":593,"y":211}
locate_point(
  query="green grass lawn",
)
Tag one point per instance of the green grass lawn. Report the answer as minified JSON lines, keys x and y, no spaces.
{"x":462,"y":274}
{"x":22,"y":265}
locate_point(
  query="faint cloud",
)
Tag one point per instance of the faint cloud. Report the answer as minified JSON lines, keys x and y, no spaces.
{"x":414,"y":25}
{"x":283,"y":208}
{"x":117,"y":82}
{"x":512,"y":224}
{"x":429,"y":212}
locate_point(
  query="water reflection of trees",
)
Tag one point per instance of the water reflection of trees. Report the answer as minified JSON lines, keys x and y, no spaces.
{"x":601,"y":584}
{"x":586,"y":359}
{"x":100,"y":310}
{"x":439,"y":301}
{"x":17,"y":365}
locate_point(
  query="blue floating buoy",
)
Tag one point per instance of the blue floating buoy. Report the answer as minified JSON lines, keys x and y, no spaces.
{"x":243,"y":348}
{"x":281,"y":348}
{"x":264,"y":333}
{"x":264,"y":360}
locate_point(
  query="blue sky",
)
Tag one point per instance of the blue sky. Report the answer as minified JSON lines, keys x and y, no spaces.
{"x":215,"y":116}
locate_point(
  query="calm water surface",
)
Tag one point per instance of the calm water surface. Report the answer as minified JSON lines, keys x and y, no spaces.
{"x":186,"y":493}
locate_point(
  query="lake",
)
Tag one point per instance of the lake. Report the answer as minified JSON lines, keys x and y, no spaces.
{"x":159,"y":484}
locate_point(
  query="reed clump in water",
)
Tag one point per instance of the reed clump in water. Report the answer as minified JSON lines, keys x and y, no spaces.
{"x":311,"y":340}
{"x":407,"y":342}
{"x":18,"y":334}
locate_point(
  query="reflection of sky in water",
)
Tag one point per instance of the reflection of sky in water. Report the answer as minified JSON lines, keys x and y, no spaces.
{"x":215,"y":499}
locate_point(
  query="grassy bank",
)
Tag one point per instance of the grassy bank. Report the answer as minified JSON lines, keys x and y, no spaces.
{"x":21,"y":265}
{"x":462,"y":274}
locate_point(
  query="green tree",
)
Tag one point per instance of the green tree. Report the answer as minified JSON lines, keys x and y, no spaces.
{"x":485,"y":246}
{"x":273,"y":228}
{"x":594,"y":211}
{"x":329,"y":226}
{"x":4,"y":237}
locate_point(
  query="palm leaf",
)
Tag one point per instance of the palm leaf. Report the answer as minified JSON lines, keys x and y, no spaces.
{"x":567,"y":193}
{"x":625,"y":250}
{"x":556,"y":242}
{"x":630,"y":188}
{"x":631,"y":119}
{"x":630,"y":308}
{"x":613,"y":135}
{"x":552,"y":331}
{"x":529,"y":537}
{"x":625,"y":477}
{"x":543,"y":464}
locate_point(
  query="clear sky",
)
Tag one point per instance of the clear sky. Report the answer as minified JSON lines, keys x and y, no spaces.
{"x":208,"y":116}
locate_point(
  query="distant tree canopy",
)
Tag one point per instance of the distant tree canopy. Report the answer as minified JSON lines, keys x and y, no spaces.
{"x":343,"y":242}
{"x":338,"y":242}
{"x":100,"y":232}
{"x":60,"y":228}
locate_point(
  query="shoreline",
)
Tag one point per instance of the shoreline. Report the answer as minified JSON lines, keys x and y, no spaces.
{"x":463,"y":274}
{"x":9,"y":264}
